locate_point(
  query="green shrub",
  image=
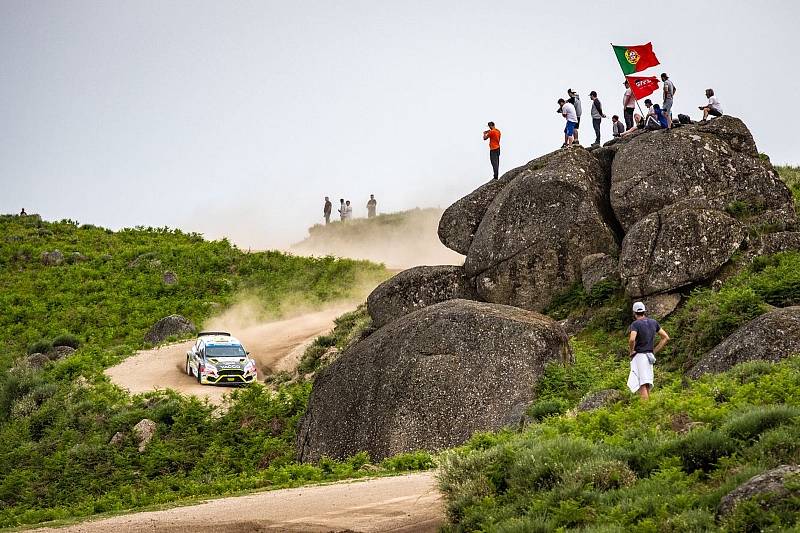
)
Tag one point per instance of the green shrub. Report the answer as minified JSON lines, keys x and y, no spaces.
{"x":41,"y":346}
{"x":701,"y":449}
{"x":544,"y":408}
{"x":755,"y":420}
{"x":777,"y":446}
{"x":67,"y":339}
{"x":409,"y":462}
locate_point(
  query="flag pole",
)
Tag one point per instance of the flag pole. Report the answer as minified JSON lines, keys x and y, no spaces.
{"x":626,"y":79}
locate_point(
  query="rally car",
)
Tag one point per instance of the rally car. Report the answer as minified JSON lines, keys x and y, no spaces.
{"x":217,"y":358}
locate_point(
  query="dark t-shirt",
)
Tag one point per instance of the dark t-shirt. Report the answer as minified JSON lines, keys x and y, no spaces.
{"x":646,"y":330}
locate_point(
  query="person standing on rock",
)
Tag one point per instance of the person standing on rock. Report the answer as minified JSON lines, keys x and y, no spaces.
{"x":669,"y":93}
{"x":641,"y":337}
{"x":23,"y":213}
{"x":342,"y":210}
{"x":618,"y":128}
{"x":629,"y":104}
{"x":575,"y":100}
{"x":493,"y":136}
{"x":372,"y":206}
{"x":567,"y":110}
{"x":597,"y":116}
{"x":348,"y":210}
{"x":326,"y":211}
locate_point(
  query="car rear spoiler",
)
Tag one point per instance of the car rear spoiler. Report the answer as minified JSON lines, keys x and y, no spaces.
{"x":205,"y":333}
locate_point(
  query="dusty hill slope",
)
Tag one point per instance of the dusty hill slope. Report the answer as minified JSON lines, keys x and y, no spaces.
{"x":399,"y":240}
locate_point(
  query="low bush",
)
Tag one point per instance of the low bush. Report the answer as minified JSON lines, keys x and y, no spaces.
{"x":67,"y":339}
{"x":751,"y":423}
{"x":42,"y":346}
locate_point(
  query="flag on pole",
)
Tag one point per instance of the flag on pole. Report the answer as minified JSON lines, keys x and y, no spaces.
{"x":635,"y":58}
{"x":642,"y":86}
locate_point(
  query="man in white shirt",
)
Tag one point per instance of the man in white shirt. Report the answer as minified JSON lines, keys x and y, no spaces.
{"x":713,"y":108}
{"x":567,"y":110}
{"x":669,"y":93}
{"x":348,"y":210}
{"x":629,"y":104}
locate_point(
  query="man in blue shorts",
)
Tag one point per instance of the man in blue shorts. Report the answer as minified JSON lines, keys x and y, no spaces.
{"x":567,"y":110}
{"x":641,"y":336}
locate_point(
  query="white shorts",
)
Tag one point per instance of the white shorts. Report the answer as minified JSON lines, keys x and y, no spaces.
{"x":641,"y":372}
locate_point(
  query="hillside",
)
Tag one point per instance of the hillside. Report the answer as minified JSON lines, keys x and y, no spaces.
{"x":57,"y":422}
{"x":399,"y":240}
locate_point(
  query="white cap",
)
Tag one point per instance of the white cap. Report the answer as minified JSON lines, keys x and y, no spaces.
{"x":638,"y":307}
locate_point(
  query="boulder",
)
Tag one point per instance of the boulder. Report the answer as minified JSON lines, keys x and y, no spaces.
{"x":769,"y":337}
{"x":428,"y":380}
{"x":460,"y":221}
{"x":169,"y":278}
{"x":117,"y":439}
{"x":416,"y":288}
{"x":660,"y":306}
{"x":144,"y":431}
{"x":596,"y":400}
{"x":52,"y":258}
{"x":771,"y":483}
{"x":167,"y":327}
{"x":37,"y":360}
{"x":596,"y":268}
{"x":716,"y":163}
{"x":530,"y":243}
{"x":677,"y":246}
{"x":60,"y":352}
{"x":782,"y":241}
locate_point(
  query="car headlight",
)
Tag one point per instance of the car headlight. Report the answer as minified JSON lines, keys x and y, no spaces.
{"x":250,"y":367}
{"x":211,"y":369}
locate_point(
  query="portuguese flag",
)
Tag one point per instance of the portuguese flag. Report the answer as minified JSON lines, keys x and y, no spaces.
{"x":635,"y":58}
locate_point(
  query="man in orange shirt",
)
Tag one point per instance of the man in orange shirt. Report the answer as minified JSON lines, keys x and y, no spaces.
{"x":493,"y":134}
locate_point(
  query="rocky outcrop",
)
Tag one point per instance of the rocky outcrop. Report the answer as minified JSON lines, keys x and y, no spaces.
{"x":60,"y":352}
{"x":660,"y":306}
{"x":52,"y":258}
{"x":769,"y":337}
{"x":173,"y":325}
{"x":596,"y":400}
{"x":417,"y":288}
{"x":144,"y":431}
{"x":772,"y":484}
{"x":428,"y":380}
{"x":677,"y":246}
{"x":533,"y":236}
{"x":596,"y":268}
{"x":37,"y":360}
{"x":460,"y":221}
{"x":716,"y":164}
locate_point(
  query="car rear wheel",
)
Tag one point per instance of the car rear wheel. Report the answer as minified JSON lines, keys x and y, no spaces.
{"x":188,"y":367}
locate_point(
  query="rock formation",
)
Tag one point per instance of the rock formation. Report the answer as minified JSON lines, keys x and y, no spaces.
{"x":769,"y":337}
{"x":771,"y":483}
{"x":428,"y":380}
{"x":167,"y":327}
{"x":417,"y":288}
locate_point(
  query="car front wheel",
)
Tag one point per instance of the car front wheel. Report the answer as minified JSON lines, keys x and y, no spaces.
{"x":188,"y":367}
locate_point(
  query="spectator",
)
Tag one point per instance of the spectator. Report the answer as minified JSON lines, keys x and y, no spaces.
{"x":638,"y":124}
{"x":567,"y":110}
{"x":597,"y":116}
{"x":661,"y":117}
{"x":575,"y":100}
{"x":629,"y":104}
{"x":713,"y":107}
{"x":372,"y":206}
{"x":618,"y":128}
{"x":669,"y":93}
{"x":342,"y":211}
{"x":23,"y":213}
{"x":652,"y":122}
{"x":641,"y":339}
{"x":326,"y":211}
{"x":493,"y":135}
{"x":348,"y":210}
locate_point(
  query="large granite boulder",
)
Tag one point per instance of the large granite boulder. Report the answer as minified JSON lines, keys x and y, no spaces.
{"x":597,"y":268}
{"x":532,"y":238}
{"x":173,"y":325}
{"x":716,"y":163}
{"x":677,"y":246}
{"x":416,"y":288}
{"x":767,"y":487}
{"x":460,"y":221}
{"x":769,"y":337}
{"x":428,"y":380}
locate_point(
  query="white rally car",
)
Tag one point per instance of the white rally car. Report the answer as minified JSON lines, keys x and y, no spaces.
{"x":217,"y":358}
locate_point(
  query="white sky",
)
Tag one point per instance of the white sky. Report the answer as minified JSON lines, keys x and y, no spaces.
{"x":236,"y":118}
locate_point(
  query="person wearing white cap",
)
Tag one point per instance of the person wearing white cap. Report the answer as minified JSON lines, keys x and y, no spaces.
{"x":641,"y":336}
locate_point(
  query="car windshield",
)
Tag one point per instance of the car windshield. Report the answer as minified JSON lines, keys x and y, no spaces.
{"x":225,"y":351}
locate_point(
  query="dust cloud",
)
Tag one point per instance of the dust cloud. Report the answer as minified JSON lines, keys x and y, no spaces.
{"x":399,"y":240}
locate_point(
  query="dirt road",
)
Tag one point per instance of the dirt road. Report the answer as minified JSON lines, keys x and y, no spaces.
{"x":401,"y":504}
{"x":275,"y":346}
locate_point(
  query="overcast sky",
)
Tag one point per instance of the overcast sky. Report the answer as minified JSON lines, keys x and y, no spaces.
{"x":236,"y":118}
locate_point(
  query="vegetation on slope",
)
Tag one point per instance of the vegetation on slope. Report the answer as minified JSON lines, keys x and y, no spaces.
{"x":56,"y":423}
